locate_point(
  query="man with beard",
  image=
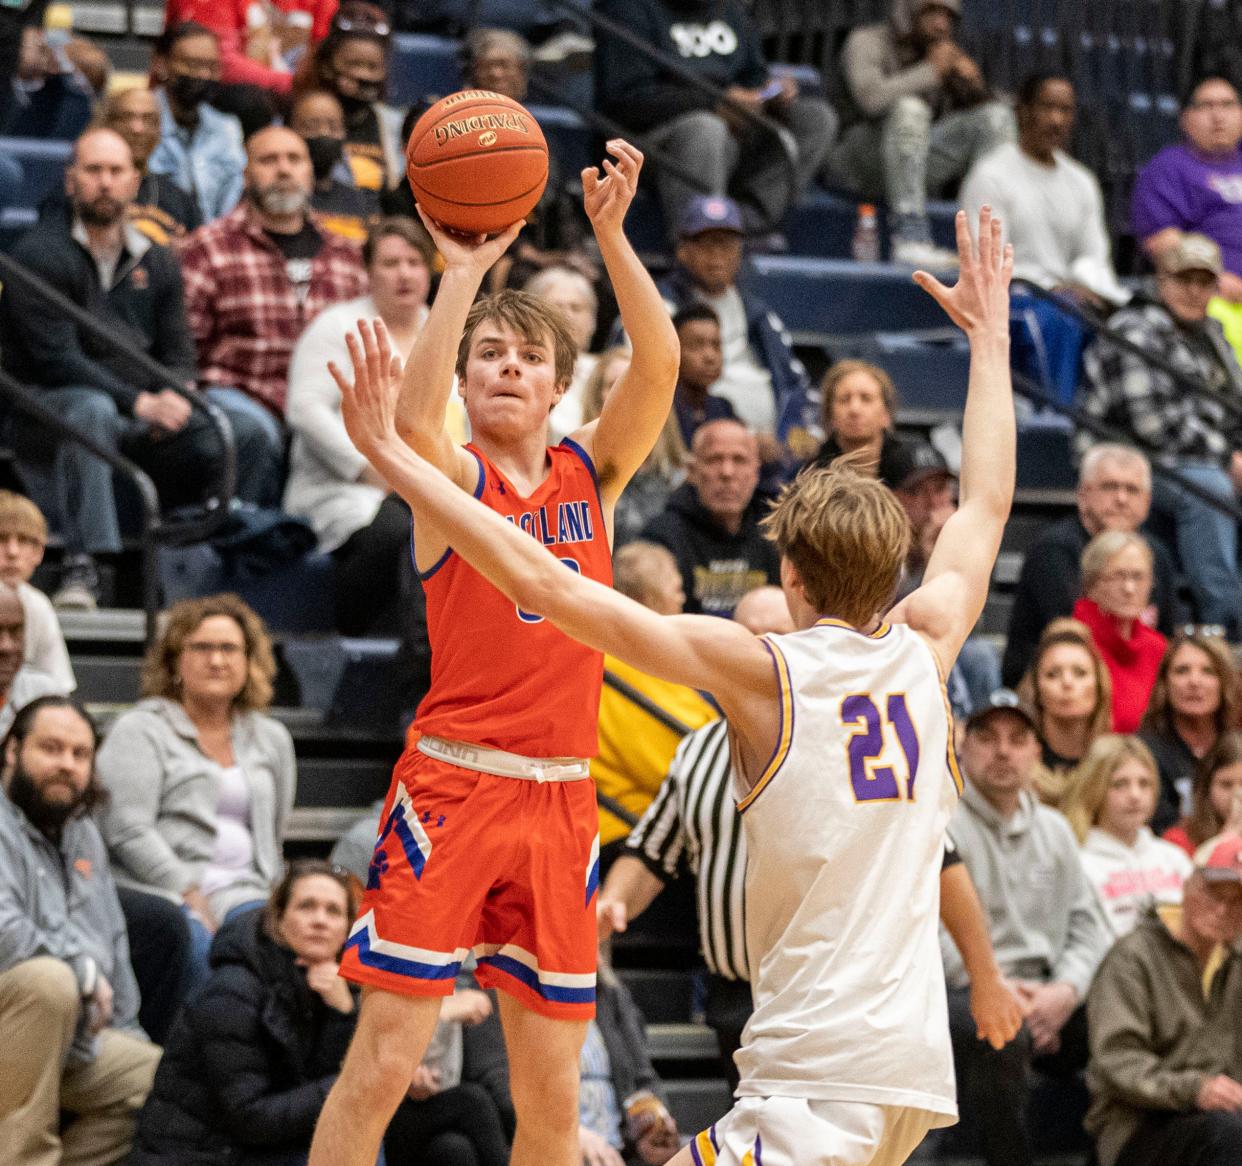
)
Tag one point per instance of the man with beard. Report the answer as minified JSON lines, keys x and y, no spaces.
{"x":200,"y":149}
{"x":94,"y":256}
{"x":75,"y":1067}
{"x":253,"y":281}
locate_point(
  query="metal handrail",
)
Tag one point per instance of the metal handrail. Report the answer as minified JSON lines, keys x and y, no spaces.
{"x":26,"y":401}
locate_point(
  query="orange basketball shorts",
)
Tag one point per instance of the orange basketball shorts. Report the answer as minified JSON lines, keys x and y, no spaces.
{"x":504,"y":866}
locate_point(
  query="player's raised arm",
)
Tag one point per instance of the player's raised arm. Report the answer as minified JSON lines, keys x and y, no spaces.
{"x":427,"y":381}
{"x":638,"y":406}
{"x":955,"y":585}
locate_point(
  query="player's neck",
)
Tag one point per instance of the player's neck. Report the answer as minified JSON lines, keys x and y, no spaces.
{"x":523,"y":460}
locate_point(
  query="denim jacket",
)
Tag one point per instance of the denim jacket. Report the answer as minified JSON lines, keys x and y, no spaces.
{"x":206,"y":163}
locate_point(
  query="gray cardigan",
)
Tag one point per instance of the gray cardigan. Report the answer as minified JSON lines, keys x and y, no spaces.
{"x":160,"y":822}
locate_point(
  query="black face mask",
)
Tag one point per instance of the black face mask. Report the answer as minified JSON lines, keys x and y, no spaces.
{"x":366,"y":94}
{"x":325,"y":153}
{"x":191,"y":92}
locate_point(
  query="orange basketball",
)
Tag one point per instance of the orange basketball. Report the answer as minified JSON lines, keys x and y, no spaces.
{"x":477,"y":162}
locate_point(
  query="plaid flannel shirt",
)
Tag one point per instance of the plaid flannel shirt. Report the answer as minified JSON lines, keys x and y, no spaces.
{"x":1123,"y":391}
{"x":244,"y":311}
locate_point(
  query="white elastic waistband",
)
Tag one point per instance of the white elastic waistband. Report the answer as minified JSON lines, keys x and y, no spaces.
{"x":502,"y":764}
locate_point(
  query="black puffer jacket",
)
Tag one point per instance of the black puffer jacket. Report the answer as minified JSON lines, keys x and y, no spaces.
{"x":247,"y":1068}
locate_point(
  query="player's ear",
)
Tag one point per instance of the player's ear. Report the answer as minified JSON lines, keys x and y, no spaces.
{"x":791,"y":581}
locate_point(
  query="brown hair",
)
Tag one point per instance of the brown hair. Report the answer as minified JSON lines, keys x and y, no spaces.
{"x":159,"y":669}
{"x":1087,"y":794}
{"x":530,"y":317}
{"x":844,"y":368}
{"x":669,"y":455}
{"x":1070,"y":631}
{"x":1159,"y":715}
{"x":20,"y":516}
{"x":282,"y":893}
{"x":847,"y":536}
{"x":400,"y":227}
{"x":1203,"y":822}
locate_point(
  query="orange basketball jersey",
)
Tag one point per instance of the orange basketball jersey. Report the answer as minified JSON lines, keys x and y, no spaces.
{"x":502,"y":677}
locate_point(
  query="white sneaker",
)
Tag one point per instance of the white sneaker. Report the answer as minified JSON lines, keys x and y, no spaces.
{"x":79,"y":585}
{"x":570,"y":49}
{"x":915,"y":253}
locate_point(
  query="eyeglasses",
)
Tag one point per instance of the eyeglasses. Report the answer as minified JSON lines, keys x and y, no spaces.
{"x":357,"y":23}
{"x":204,"y":648}
{"x":1136,"y":578}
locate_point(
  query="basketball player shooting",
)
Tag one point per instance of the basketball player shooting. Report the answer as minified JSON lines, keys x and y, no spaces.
{"x":489,"y":836}
{"x":843,"y":743}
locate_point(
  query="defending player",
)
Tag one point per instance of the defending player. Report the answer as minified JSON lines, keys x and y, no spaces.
{"x":843,"y":737}
{"x":489,"y":837}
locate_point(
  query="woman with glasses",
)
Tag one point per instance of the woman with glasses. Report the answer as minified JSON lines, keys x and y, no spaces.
{"x":200,"y":779}
{"x":1116,"y":590}
{"x":246,"y":1069}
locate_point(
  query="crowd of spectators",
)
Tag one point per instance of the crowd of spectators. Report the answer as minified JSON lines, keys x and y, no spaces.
{"x":233,"y":219}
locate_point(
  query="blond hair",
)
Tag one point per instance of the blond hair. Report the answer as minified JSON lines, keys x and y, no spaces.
{"x":1089,"y":791}
{"x":634,"y":567}
{"x":20,"y":516}
{"x":159,"y":668}
{"x":844,"y":368}
{"x":847,"y":536}
{"x":668,"y":457}
{"x":1097,"y":553}
{"x":535,"y":320}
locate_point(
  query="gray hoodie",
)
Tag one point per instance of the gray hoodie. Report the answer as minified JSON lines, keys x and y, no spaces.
{"x":880,"y":62}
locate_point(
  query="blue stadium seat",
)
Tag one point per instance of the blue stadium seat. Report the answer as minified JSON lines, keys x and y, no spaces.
{"x":421,"y":66}
{"x":930,"y":377}
{"x":823,"y":223}
{"x":1044,"y":461}
{"x":42,"y":164}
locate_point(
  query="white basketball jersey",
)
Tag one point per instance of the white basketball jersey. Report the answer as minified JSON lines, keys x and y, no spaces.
{"x":845,"y":835}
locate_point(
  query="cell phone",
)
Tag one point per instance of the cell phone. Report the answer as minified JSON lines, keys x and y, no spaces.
{"x":774,"y":88}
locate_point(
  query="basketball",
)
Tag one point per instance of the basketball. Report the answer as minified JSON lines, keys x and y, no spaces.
{"x":477,"y":162}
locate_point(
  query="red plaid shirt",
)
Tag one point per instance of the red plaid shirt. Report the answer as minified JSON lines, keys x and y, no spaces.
{"x":244,"y":311}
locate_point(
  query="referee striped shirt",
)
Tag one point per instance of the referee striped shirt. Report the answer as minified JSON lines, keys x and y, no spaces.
{"x":694,"y":818}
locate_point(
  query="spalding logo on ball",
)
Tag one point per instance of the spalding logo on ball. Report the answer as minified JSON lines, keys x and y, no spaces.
{"x":477,"y":161}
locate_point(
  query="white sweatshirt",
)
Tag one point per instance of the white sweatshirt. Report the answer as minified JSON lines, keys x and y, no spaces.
{"x":1129,"y":878}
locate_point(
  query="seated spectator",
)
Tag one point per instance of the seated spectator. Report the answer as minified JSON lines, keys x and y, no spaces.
{"x":1226,"y":768}
{"x":1051,"y":205}
{"x":161,"y":209}
{"x":702,"y":361}
{"x":357,"y":520}
{"x":103,"y":264}
{"x":200,"y":780}
{"x":1213,"y":796}
{"x":52,"y":96}
{"x":664,"y":468}
{"x":352,"y":63}
{"x":858,"y":401}
{"x":23,"y":538}
{"x":19,"y":683}
{"x":636,"y":742}
{"x":1188,"y":432}
{"x":1193,"y":185}
{"x":259,"y":48}
{"x":1045,"y":925}
{"x":199,"y":147}
{"x":922,"y":115}
{"x":445,"y":1121}
{"x":1116,"y":584}
{"x":499,"y":60}
{"x":711,"y":523}
{"x":253,"y":281}
{"x":1194,"y":702}
{"x":573,"y":293}
{"x":1114,"y":493}
{"x":76,"y":1065}
{"x":763,"y":379}
{"x":1110,"y":808}
{"x":721,"y":43}
{"x":249,"y":1064}
{"x":317,"y":117}
{"x":1070,"y":694}
{"x":1166,"y":1064}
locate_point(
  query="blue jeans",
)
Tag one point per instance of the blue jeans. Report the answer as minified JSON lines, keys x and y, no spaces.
{"x":1207,"y":541}
{"x":260,"y":440}
{"x":200,"y":945}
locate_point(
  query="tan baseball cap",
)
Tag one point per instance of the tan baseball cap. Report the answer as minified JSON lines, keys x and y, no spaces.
{"x":1192,"y":252}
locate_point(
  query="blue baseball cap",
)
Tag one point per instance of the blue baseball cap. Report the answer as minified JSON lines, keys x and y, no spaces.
{"x":710,"y":212}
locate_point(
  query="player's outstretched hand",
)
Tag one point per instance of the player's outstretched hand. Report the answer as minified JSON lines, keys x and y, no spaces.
{"x":997,"y":1012}
{"x":475,"y":252}
{"x":606,"y":199}
{"x":979,"y":302}
{"x":369,"y":398}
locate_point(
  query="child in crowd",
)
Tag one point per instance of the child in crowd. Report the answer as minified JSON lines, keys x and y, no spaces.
{"x":702,"y":362}
{"x":1225,"y":772}
{"x":1109,"y":808}
{"x":23,"y":539}
{"x":1213,"y":797}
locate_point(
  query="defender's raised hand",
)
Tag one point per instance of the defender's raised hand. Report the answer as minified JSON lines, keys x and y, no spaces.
{"x":607,"y":199}
{"x":979,"y":301}
{"x":369,"y":400}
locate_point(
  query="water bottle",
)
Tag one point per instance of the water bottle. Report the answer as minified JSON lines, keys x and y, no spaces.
{"x":866,"y":245}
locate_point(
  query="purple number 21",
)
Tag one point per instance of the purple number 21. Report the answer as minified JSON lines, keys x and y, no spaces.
{"x":878,"y":783}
